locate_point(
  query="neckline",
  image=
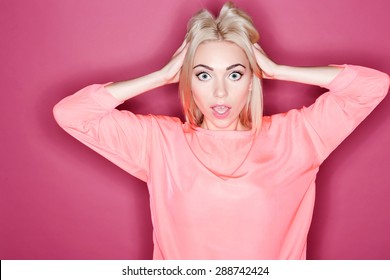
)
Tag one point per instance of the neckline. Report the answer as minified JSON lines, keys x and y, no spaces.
{"x":224,"y":133}
{"x":194,"y":136}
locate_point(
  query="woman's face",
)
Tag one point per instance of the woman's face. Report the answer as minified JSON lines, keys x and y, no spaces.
{"x":220,"y":82}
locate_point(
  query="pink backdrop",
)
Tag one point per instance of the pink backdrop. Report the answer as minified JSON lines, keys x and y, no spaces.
{"x":60,"y":200}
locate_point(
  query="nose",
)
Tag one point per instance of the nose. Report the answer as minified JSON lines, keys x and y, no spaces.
{"x":220,"y":89}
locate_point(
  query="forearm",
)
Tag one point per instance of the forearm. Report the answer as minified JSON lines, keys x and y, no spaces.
{"x":168,"y":74}
{"x":352,"y":95}
{"x":319,"y":76}
{"x":127,"y":89}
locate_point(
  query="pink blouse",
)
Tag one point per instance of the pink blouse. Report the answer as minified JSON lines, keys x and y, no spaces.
{"x":226,"y":194}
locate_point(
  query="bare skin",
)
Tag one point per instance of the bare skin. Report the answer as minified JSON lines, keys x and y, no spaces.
{"x":221,"y":84}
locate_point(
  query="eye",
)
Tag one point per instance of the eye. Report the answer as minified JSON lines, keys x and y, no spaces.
{"x":235,"y":76}
{"x":203,"y":76}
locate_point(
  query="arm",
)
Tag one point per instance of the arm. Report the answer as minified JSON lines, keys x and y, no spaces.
{"x":169,"y":74}
{"x":318,"y":76}
{"x":90,"y":116}
{"x":353,"y":92}
{"x":352,"y":95}
{"x":76,"y":108}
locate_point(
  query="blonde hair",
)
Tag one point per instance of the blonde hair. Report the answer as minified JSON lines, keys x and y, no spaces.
{"x":232,"y":25}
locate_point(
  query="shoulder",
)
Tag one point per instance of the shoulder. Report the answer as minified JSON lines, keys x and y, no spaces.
{"x":164,"y":120}
{"x":283,"y":120}
{"x":164,"y":123}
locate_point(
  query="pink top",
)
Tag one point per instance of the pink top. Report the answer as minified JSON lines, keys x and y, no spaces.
{"x":226,"y":194}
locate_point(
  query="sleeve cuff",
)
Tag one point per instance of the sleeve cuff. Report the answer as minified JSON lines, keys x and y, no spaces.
{"x":104,"y":98}
{"x":343,"y":79}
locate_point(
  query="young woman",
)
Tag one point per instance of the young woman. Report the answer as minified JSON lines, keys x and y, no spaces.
{"x":228,"y":183}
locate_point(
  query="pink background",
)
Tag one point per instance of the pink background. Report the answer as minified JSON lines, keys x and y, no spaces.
{"x":60,"y":200}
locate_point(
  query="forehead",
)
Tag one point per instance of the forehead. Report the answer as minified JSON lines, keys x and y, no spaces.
{"x":223,"y":53}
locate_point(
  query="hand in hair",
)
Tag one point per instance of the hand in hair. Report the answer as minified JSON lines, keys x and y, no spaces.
{"x":267,"y":66}
{"x":307,"y":75}
{"x":171,"y":71}
{"x":168,"y":74}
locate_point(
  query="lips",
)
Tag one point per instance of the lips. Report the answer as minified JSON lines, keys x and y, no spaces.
{"x":221,"y":111}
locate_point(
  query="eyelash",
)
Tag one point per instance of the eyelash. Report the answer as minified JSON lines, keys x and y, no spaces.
{"x":202,"y":73}
{"x":235,"y":72}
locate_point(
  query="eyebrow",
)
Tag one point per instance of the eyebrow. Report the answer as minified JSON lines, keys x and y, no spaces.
{"x":228,"y":68}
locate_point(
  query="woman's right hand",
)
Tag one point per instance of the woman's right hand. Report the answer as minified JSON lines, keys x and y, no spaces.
{"x":167,"y":75}
{"x":171,"y":71}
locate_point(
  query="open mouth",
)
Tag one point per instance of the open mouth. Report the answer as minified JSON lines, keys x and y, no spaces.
{"x":221,"y":111}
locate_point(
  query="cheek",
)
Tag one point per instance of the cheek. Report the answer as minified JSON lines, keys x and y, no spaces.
{"x":200,"y":100}
{"x":242,"y":100}
{"x":197,"y":97}
{"x":198,"y":93}
{"x":240,"y":92}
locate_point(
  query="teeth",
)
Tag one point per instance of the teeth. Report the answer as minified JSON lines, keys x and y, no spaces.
{"x":221,"y":109}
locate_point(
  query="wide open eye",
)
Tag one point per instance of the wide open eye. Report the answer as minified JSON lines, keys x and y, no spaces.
{"x":203,"y":76}
{"x":235,"y":76}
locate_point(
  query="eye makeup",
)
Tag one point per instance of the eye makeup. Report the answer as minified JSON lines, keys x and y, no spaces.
{"x":203,"y":76}
{"x":234,"y":76}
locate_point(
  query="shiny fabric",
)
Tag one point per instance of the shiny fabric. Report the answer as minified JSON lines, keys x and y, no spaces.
{"x":226,"y":194}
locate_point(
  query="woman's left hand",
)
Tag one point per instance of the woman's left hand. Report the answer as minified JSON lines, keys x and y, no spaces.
{"x":267,"y":66}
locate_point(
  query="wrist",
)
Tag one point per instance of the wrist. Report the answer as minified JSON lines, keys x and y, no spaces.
{"x":307,"y":75}
{"x":159,"y":78}
{"x":162,"y":77}
{"x":272,"y":71}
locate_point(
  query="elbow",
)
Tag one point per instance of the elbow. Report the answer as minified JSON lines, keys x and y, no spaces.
{"x":386,"y":84}
{"x":59,"y":114}
{"x":379,"y":85}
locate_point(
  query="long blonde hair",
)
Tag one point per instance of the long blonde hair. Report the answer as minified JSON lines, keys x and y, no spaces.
{"x":232,"y":25}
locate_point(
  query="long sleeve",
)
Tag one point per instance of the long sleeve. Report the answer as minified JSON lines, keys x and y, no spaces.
{"x":352,"y":95}
{"x":90,"y":116}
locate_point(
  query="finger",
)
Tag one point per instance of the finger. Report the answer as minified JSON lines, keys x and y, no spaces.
{"x":257,"y":50}
{"x":260,"y":49}
{"x":257,"y":47}
{"x":185,"y":42}
{"x":258,"y":54}
{"x":181,"y":48}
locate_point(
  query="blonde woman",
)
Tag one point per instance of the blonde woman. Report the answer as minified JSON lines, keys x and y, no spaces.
{"x":228,"y":183}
